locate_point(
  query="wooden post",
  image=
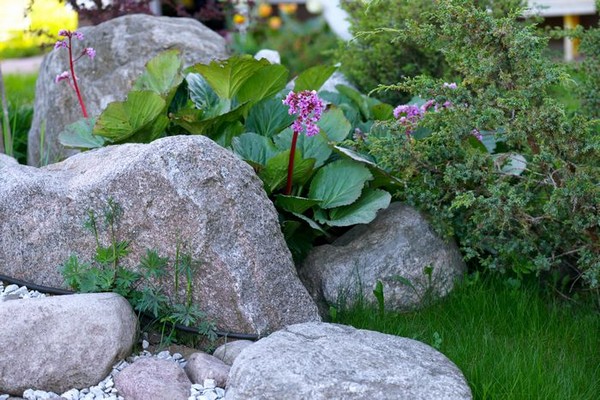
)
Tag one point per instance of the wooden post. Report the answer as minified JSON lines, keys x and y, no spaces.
{"x":571,"y":45}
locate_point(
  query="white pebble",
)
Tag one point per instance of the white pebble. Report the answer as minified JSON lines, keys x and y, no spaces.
{"x":220,"y":392}
{"x":4,"y":396}
{"x":10,"y":289}
{"x":72,"y":394}
{"x":209,"y":384}
{"x":164,"y":355}
{"x":177,"y":356}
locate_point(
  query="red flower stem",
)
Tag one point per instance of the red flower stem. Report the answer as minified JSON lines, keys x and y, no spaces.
{"x":288,"y":188}
{"x":71,"y":64}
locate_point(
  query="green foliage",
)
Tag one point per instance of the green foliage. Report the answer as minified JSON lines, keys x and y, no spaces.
{"x":301,"y":44}
{"x":525,"y":198}
{"x":142,"y":287}
{"x":589,"y":89}
{"x":377,"y":56}
{"x":229,"y":101}
{"x":20,"y":92}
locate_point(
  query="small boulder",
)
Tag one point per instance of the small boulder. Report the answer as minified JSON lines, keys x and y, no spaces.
{"x":153,"y":379}
{"x":60,"y":342}
{"x":327,"y":361}
{"x":398,"y":248}
{"x":230,"y":350}
{"x":123,"y":47}
{"x":202,"y":366}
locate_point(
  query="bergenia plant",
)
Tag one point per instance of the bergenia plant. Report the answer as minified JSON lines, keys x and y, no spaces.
{"x":308,"y":107}
{"x":69,"y":76}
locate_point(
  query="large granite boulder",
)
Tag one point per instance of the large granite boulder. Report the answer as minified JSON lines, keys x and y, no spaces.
{"x":327,"y":361}
{"x":57,"y":343}
{"x":398,"y":248}
{"x":181,"y":192}
{"x":123,"y":47}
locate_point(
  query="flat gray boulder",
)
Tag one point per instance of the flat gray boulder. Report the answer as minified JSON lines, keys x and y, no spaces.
{"x":57,"y":343}
{"x":398,"y":248}
{"x":123,"y":47}
{"x":327,"y":361}
{"x":182,"y":192}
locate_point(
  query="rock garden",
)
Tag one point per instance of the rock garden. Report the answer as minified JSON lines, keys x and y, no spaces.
{"x":412,"y":214}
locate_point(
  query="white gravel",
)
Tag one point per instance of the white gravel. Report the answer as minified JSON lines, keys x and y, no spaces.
{"x":105,"y":389}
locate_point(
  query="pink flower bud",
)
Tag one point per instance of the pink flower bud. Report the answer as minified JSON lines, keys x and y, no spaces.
{"x":90,"y":52}
{"x":62,"y":77}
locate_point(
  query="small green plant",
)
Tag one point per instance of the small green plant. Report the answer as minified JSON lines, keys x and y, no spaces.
{"x":142,"y":286}
{"x":378,"y":293}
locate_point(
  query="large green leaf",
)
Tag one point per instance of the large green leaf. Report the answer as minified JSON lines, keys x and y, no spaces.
{"x":362,"y":211}
{"x":380,"y":176}
{"x":226,"y":77}
{"x":313,"y":78}
{"x":294,"y":204}
{"x":339,"y":183}
{"x":80,"y":135}
{"x":205,"y":98}
{"x":269,"y":117}
{"x":254,"y":148}
{"x":191,"y":120}
{"x":335,"y":125}
{"x":134,"y":116}
{"x":274,"y":175}
{"x":162,"y":74}
{"x":265,"y":82}
{"x":311,"y":147}
{"x":359,"y":101}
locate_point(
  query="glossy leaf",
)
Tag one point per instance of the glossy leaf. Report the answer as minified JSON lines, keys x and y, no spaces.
{"x":254,"y":148}
{"x":134,"y":116}
{"x":310,"y":147}
{"x":265,"y":82}
{"x":380,"y":176}
{"x":335,"y":125}
{"x":357,"y":98}
{"x":162,"y":74}
{"x":274,"y":175}
{"x":205,"y":98}
{"x":313,"y":78}
{"x":79,"y":135}
{"x":226,"y":77}
{"x":269,"y":117}
{"x":362,"y":211}
{"x":339,"y":183}
{"x":294,"y":204}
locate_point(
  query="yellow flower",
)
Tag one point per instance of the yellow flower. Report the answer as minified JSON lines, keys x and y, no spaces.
{"x":288,"y":8}
{"x":239,"y":19}
{"x":275,"y":23}
{"x":264,"y":10}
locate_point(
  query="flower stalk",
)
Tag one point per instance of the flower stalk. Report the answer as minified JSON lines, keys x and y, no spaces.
{"x":308,"y":107}
{"x":71,"y":78}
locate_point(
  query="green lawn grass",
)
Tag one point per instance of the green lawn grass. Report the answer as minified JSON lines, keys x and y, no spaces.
{"x":20,"y":94}
{"x":510,"y":343}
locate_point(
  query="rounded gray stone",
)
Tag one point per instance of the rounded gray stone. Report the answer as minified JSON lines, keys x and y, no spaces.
{"x":327,"y":361}
{"x":150,"y":378}
{"x":60,"y":342}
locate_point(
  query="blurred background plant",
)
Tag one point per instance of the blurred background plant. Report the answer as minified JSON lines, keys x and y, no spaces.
{"x":300,"y":35}
{"x":28,"y":27}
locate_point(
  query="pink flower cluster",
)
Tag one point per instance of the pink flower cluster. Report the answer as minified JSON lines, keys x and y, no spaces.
{"x":409,"y":115}
{"x":307,"y":105}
